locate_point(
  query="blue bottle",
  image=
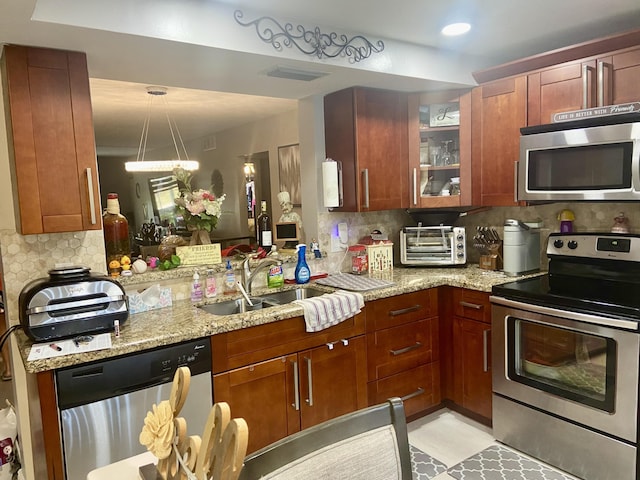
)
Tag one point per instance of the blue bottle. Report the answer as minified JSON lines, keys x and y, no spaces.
{"x":303,"y":274}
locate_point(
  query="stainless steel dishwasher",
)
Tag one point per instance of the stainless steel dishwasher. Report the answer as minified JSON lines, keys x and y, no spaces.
{"x":103,"y":404}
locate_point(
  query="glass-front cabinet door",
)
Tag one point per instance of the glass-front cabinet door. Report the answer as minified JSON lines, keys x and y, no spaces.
{"x":440,"y":149}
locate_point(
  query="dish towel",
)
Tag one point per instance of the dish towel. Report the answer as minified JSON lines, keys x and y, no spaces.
{"x":330,"y":309}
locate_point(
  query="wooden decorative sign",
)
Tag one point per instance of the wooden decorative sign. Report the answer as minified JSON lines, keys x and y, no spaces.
{"x":199,"y":254}
{"x":596,"y":112}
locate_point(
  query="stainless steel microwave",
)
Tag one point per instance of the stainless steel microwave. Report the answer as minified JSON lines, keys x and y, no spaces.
{"x":592,"y":159}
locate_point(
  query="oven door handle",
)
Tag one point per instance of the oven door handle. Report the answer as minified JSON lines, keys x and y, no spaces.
{"x":580,"y":317}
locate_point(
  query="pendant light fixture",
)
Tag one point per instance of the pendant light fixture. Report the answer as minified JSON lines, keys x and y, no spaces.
{"x":142,"y":165}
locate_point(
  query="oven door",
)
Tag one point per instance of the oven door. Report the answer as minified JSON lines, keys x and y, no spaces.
{"x":566,"y":364}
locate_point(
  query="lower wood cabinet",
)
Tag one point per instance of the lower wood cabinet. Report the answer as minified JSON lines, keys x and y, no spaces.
{"x":403,"y":350}
{"x":471,"y":351}
{"x":280,"y":396}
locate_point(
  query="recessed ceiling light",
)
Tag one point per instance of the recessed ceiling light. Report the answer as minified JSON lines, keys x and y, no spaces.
{"x":456,"y":29}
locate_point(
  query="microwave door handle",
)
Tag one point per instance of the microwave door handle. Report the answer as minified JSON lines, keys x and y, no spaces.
{"x":415,"y":187}
{"x":515,"y":181}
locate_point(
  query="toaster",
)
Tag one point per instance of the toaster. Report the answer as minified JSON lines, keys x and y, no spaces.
{"x":435,"y":246}
{"x":71,"y":302}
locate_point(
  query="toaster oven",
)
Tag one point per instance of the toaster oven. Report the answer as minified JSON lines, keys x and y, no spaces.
{"x":71,"y":302}
{"x":433,"y":246}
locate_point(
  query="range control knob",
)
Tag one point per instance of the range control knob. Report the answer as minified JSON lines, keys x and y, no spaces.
{"x":459,"y":246}
{"x":558,"y":243}
{"x":460,"y":237}
{"x":460,"y":254}
{"x":572,"y":244}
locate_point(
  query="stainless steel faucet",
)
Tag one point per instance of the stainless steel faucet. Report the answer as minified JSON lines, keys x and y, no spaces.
{"x":248,"y":275}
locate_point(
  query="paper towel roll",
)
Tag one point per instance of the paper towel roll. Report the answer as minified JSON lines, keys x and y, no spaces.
{"x":330,"y":184}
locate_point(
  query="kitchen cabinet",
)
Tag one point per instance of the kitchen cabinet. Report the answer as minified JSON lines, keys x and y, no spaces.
{"x":51,"y":139}
{"x":366,"y":131}
{"x":607,"y":79}
{"x":472,"y":351}
{"x":403,"y":350}
{"x":498,"y":111}
{"x":299,"y":386}
{"x":431,"y":169}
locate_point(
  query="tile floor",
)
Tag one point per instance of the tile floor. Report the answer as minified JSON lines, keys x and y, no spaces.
{"x":449,"y":437}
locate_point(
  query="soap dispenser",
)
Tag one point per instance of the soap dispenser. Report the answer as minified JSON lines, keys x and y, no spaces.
{"x":196,"y":288}
{"x":302,"y":272}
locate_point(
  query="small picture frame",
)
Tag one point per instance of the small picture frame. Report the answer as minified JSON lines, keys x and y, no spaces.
{"x":444,"y":114}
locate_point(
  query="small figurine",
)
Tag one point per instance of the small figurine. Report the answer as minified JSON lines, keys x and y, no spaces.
{"x":315,"y":247}
{"x":152,"y":262}
{"x":114,"y":268}
{"x":620,"y":224}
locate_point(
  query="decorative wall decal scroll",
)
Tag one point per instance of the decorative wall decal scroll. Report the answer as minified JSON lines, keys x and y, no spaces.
{"x":311,"y":42}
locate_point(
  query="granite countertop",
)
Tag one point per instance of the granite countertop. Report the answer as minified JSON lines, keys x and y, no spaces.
{"x":184,"y":321}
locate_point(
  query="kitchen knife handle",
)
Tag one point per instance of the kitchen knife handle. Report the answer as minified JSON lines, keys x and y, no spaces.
{"x":485,"y":350}
{"x":92,"y":201}
{"x":296,"y":387}
{"x":309,"y":400}
{"x":405,"y":349}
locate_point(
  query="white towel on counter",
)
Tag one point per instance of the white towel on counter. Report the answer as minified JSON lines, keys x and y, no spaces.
{"x":330,"y":309}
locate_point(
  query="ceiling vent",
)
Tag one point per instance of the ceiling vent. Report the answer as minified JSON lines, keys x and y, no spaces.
{"x":294,"y":74}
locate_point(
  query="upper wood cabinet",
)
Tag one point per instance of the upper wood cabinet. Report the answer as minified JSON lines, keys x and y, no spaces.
{"x":593,"y":82}
{"x":366,"y":130}
{"x":431,"y":170}
{"x":51,"y":140}
{"x":498,"y":111}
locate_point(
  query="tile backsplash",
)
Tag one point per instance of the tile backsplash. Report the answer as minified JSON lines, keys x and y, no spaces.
{"x":590,"y":217}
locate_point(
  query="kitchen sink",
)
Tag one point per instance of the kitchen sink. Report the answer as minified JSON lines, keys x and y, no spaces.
{"x":287,"y":296}
{"x":229,"y":307}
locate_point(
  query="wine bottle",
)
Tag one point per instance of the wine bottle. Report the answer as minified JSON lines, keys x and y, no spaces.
{"x":264,"y":234}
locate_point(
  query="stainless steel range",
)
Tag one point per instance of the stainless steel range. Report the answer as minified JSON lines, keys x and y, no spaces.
{"x":566,"y":355}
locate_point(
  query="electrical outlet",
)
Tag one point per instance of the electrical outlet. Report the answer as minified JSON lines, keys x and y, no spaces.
{"x":339,"y":238}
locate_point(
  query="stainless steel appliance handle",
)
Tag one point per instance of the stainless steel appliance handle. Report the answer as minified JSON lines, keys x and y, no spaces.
{"x":296,"y":387}
{"x":419,"y":391}
{"x":400,"y":351}
{"x":515,"y":181}
{"x":485,"y":350}
{"x":309,"y":400}
{"x":415,"y":186}
{"x":365,"y":174}
{"x":92,"y":201}
{"x":580,"y":317}
{"x":80,"y":303}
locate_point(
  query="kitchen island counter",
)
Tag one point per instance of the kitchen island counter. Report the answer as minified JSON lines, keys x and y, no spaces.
{"x":184,"y":321}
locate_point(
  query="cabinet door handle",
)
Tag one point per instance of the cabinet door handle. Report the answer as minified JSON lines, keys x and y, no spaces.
{"x":419,"y":391}
{"x":395,"y":313}
{"x":475,"y":306}
{"x":415,"y":186}
{"x":365,"y":174}
{"x":92,"y":201}
{"x":485,"y":350}
{"x":601,"y":95}
{"x":405,"y":349}
{"x":296,"y":387}
{"x":309,"y":400}
{"x":585,"y":85}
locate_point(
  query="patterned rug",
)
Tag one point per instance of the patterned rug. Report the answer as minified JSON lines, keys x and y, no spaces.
{"x":499,"y":463}
{"x":423,"y":466}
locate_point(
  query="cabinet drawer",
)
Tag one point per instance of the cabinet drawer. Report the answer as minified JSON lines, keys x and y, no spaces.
{"x":406,"y":308}
{"x":262,"y":342}
{"x":419,"y":388}
{"x":399,"y":348}
{"x":472,"y":304}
